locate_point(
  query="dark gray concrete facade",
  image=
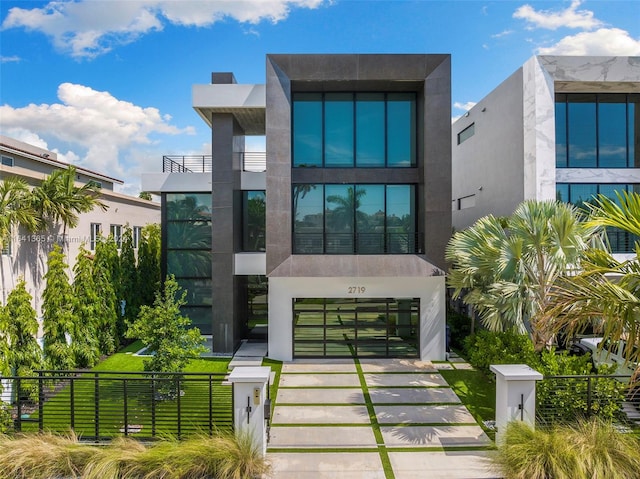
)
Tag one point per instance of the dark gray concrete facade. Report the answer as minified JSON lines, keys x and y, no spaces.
{"x":427,"y":75}
{"x":226,"y":142}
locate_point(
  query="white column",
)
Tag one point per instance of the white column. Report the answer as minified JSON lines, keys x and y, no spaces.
{"x":515,"y":395}
{"x":249,"y":395}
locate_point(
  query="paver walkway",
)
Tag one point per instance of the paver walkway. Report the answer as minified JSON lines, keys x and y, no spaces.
{"x":346,"y":419}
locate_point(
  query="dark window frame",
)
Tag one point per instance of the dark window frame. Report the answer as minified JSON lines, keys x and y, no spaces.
{"x":355,"y":238}
{"x":564,"y":99}
{"x":354,"y":95}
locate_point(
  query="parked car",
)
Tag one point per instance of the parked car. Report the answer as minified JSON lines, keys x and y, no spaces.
{"x":608,"y":353}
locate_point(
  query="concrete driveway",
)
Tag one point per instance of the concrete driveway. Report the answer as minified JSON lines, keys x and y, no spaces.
{"x":345,"y":419}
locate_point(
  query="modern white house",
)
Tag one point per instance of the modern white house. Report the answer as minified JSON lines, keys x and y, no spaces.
{"x":565,"y":127}
{"x":25,"y":256}
{"x":335,"y":234}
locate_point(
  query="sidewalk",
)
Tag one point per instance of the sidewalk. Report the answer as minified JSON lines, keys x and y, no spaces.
{"x":346,"y":419}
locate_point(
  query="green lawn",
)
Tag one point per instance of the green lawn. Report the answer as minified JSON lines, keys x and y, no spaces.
{"x":136,"y":401}
{"x":476,"y":391}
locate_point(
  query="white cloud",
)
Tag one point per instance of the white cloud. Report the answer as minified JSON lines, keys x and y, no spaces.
{"x":570,"y":17}
{"x":11,"y":59}
{"x":605,"y":41}
{"x":503,"y":33}
{"x":89,"y":28}
{"x":464,"y":106}
{"x":98,"y":128}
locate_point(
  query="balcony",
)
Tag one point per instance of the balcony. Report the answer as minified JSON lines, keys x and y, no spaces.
{"x":251,"y":161}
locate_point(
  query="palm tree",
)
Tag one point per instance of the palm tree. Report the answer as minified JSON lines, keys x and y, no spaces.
{"x":346,"y":209}
{"x":58,"y":199}
{"x":607,"y":291}
{"x":507,"y":273}
{"x":15,"y":208}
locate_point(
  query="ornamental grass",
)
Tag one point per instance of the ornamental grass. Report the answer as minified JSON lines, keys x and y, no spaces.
{"x":589,"y":449}
{"x":51,"y":456}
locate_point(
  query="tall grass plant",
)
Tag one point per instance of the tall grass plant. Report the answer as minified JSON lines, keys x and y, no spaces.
{"x":589,"y":449}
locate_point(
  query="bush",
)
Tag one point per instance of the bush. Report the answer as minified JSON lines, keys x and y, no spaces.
{"x":590,"y":449}
{"x":558,"y":399}
{"x":486,"y":348}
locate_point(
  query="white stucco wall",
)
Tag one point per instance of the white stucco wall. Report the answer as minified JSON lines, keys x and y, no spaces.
{"x":489,"y":164}
{"x":430,"y":290}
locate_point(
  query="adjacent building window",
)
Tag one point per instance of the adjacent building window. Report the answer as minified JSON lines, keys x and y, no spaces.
{"x":253,"y":221}
{"x":187,"y":250}
{"x":116,"y":232}
{"x":354,"y":219}
{"x":580,"y":193}
{"x":346,"y":130}
{"x":467,"y":133}
{"x":96,"y":229}
{"x":137,"y":234}
{"x":597,"y":130}
{"x":6,"y":246}
{"x":7,"y":161}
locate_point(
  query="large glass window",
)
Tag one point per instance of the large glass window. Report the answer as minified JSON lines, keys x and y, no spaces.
{"x":354,"y":129}
{"x":188,"y":252}
{"x":580,"y":193}
{"x":307,"y":125}
{"x":370,"y":128}
{"x":401,"y":129}
{"x":253,"y":221}
{"x":338,"y":127}
{"x":597,"y":130}
{"x":354,"y":219}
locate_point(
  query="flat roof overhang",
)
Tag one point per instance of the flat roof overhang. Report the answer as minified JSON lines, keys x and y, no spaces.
{"x":247,"y":103}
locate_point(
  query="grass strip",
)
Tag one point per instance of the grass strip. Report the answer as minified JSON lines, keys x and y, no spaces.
{"x":382,"y":450}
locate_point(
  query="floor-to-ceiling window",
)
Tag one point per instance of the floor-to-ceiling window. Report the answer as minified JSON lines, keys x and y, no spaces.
{"x":253,"y":221}
{"x":336,"y":131}
{"x":580,"y":193}
{"x":187,"y":246}
{"x":354,"y":219}
{"x":597,"y":130}
{"x":362,"y":130}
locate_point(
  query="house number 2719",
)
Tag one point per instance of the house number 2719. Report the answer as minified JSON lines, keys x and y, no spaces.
{"x":356,"y":289}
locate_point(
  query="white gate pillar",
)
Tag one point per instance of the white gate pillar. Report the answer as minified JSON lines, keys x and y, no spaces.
{"x":515,"y":395}
{"x":249,"y":397}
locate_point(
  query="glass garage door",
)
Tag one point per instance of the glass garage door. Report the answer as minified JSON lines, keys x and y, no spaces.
{"x":360,"y":327}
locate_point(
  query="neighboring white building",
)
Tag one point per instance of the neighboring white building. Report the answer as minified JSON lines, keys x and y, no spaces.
{"x":561,"y":127}
{"x":26,"y":255}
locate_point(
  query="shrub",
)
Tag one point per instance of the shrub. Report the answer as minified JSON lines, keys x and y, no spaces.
{"x":589,"y":449}
{"x":558,"y":399}
{"x":486,"y":348}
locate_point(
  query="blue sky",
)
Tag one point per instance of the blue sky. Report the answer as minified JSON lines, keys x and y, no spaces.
{"x":107,"y":83}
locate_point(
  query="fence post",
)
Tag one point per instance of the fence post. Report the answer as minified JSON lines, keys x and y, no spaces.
{"x":250,"y":386}
{"x":515,"y":395}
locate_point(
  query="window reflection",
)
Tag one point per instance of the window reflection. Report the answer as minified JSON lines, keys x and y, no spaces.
{"x":354,"y":219}
{"x":354,"y":129}
{"x":579,"y":194}
{"x":188,"y":252}
{"x":253,"y":221}
{"x":597,"y":130}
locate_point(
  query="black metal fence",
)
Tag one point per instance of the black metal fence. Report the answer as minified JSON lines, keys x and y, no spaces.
{"x":101,"y":405}
{"x":562,"y":399}
{"x":254,"y":161}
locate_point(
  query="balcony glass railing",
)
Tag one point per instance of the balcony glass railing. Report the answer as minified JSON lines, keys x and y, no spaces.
{"x":253,"y":161}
